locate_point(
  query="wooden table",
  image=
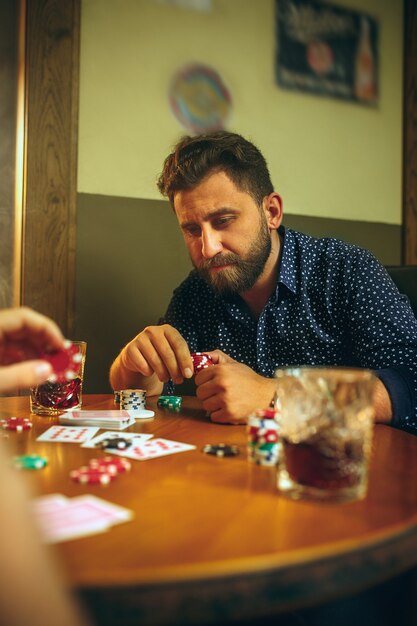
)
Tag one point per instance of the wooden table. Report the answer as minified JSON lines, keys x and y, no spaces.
{"x":212,"y":536}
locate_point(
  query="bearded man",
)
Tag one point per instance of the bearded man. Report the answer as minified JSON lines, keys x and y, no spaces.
{"x":263,"y":296}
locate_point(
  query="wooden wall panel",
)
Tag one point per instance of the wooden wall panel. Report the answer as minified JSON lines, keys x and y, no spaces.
{"x":9,"y":222}
{"x":52,"y":67}
{"x":410,"y":134}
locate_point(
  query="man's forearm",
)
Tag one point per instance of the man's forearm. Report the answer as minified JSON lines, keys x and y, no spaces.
{"x":382,"y":403}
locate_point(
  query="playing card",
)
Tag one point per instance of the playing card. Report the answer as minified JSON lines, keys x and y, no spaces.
{"x":136,"y":438}
{"x":106,"y":510}
{"x":153,"y":448}
{"x":68,"y":434}
{"x":117,"y":420}
{"x":69,"y":522}
{"x":77,"y":517}
{"x":45,"y":504}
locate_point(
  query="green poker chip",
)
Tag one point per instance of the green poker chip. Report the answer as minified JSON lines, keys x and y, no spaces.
{"x":30,"y":461}
{"x":172,"y":403}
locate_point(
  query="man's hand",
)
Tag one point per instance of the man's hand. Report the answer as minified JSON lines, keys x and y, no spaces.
{"x":156,"y":355}
{"x":230,"y":391}
{"x":30,"y":333}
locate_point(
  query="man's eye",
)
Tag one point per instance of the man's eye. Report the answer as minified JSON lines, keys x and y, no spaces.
{"x":192,"y":231}
{"x":221,"y":222}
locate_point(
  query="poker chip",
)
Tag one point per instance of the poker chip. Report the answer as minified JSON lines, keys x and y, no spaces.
{"x":111,"y":464}
{"x":65,"y":363}
{"x":114,"y":443}
{"x":92,"y":476}
{"x":132,"y":399}
{"x":269,"y":413}
{"x":30,"y":461}
{"x":263,"y":437}
{"x":221,"y":449}
{"x":172,"y":403}
{"x":201,"y":361}
{"x":17,"y":424}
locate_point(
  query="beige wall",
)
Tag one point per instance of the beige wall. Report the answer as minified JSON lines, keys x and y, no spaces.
{"x":328,"y":158}
{"x":337,"y":164}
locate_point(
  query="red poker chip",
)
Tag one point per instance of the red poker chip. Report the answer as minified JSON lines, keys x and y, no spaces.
{"x":16,"y":423}
{"x":267,"y":413}
{"x":201,"y":360}
{"x":268,"y":437}
{"x":13,"y":353}
{"x":112,"y":465}
{"x":65,"y":363}
{"x":92,"y":476}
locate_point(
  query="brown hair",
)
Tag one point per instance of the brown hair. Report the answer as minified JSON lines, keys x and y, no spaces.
{"x":194,"y":158}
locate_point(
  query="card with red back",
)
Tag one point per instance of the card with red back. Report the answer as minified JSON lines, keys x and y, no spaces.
{"x":77,"y":517}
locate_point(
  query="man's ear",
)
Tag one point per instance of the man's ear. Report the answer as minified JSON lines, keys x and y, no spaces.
{"x":273,"y":210}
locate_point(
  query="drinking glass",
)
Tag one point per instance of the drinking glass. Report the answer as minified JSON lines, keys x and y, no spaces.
{"x":54,"y":398}
{"x":326,"y":420}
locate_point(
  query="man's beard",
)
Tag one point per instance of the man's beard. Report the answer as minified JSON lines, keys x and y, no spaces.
{"x":242,"y":273}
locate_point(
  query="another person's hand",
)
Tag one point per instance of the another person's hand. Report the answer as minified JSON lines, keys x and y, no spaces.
{"x":158,"y":353}
{"x":30,"y":333}
{"x":230,"y":391}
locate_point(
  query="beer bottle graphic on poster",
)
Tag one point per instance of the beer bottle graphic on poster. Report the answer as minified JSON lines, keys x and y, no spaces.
{"x":365,"y":87}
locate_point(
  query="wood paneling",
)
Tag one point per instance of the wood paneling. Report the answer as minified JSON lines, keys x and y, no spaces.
{"x":410,"y":134}
{"x":52,"y":66}
{"x":9,"y":72}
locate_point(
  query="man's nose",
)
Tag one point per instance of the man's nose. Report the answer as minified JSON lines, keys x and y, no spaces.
{"x":210,"y":244}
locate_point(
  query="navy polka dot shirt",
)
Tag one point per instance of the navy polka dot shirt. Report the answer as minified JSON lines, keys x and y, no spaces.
{"x":334,"y":305}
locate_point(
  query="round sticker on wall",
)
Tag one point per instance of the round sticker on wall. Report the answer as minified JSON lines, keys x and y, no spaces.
{"x":199,"y":99}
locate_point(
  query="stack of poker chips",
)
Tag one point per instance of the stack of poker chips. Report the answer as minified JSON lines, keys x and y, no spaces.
{"x":263,"y":437}
{"x":132,"y":399}
{"x":100,"y":471}
{"x":172,"y":403}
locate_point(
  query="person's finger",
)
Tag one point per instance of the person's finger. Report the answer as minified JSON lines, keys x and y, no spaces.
{"x":218,"y":357}
{"x":24,"y":375}
{"x":180,"y":348}
{"x":169,"y":356}
{"x":24,"y":323}
{"x":133,"y":360}
{"x":156,"y":357}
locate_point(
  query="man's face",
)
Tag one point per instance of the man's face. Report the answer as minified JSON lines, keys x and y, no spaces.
{"x":226,"y":233}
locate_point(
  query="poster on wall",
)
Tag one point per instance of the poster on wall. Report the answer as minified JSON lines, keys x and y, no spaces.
{"x":326,"y":49}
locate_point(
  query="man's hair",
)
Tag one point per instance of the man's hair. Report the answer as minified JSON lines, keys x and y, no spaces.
{"x":194,"y":158}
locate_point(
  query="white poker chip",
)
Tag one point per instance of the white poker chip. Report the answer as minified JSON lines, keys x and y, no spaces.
{"x":142,"y":414}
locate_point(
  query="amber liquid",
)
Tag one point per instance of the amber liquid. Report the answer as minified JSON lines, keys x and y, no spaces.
{"x":309,"y":465}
